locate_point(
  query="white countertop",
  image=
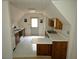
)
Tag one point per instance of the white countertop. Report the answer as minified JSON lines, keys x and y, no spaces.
{"x":41,"y":41}
{"x":16,"y":31}
{"x":46,"y":40}
{"x":56,"y":37}
{"x":29,"y":44}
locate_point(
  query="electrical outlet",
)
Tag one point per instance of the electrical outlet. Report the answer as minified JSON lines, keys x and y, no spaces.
{"x":68,"y":32}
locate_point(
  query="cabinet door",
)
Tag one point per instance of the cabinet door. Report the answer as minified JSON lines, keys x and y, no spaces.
{"x":22,"y":33}
{"x":51,"y":23}
{"x":17,"y":38}
{"x":59,"y":24}
{"x":44,"y":49}
{"x":59,"y":50}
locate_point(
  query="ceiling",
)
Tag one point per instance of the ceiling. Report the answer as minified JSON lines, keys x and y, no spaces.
{"x":45,"y":6}
{"x":31,"y":4}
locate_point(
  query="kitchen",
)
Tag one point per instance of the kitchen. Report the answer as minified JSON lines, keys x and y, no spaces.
{"x":50,"y":38}
{"x":51,"y":43}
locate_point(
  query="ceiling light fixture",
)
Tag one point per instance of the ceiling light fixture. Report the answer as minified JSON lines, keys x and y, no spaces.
{"x":32,"y":11}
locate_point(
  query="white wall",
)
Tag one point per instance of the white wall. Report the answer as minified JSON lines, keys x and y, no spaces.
{"x":12,"y":38}
{"x":27,"y":25}
{"x":16,"y":14}
{"x":42,"y":26}
{"x":69,"y":10}
{"x":66,"y":30}
{"x":6,"y":32}
{"x":53,"y":12}
{"x":50,"y":12}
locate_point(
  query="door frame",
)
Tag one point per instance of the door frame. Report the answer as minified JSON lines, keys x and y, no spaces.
{"x":31,"y":24}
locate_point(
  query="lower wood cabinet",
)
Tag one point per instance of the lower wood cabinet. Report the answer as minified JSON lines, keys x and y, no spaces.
{"x":17,"y":38}
{"x":18,"y":35}
{"x":59,"y":50}
{"x":44,"y":49}
{"x":22,"y":33}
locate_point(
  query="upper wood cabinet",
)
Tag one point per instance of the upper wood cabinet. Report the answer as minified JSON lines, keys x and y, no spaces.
{"x":51,"y":23}
{"x":58,"y":24}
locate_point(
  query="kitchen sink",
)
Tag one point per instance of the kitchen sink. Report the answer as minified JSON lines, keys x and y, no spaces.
{"x":52,"y":32}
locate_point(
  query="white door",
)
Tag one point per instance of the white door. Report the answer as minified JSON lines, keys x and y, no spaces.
{"x":34,"y":27}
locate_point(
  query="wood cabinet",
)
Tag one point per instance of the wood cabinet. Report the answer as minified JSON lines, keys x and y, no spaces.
{"x":18,"y":35}
{"x":51,"y":23}
{"x":44,"y":49}
{"x":58,"y":24}
{"x":59,"y":50}
{"x":22,"y":33}
{"x":55,"y":23}
{"x":17,"y":38}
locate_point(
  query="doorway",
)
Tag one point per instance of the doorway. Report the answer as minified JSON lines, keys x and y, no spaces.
{"x":34,"y":26}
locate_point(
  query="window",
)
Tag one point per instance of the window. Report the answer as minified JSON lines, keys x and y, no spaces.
{"x":34,"y":22}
